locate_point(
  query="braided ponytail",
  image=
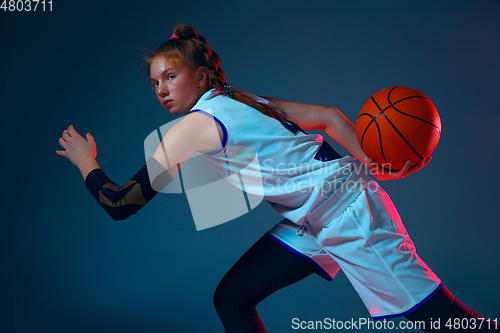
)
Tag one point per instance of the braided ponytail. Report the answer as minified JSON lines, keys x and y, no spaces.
{"x":187,"y":47}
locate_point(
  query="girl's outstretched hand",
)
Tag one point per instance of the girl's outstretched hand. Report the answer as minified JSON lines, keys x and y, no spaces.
{"x":79,"y":151}
{"x":385,"y":174}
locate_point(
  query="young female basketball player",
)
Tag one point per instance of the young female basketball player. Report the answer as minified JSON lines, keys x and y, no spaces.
{"x":336,"y":217}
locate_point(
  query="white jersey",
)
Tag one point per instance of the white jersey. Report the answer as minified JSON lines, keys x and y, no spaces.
{"x":346,"y":220}
{"x":274,"y":159}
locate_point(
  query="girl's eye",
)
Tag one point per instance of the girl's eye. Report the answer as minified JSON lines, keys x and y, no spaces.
{"x":156,"y":84}
{"x":171,"y":76}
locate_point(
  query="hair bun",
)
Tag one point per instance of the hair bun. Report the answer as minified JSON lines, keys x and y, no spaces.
{"x":186,"y":32}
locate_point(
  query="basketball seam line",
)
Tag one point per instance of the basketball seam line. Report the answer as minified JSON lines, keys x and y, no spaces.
{"x":382,"y":112}
{"x":412,"y":116}
{"x":366,"y":129}
{"x":378,"y":131}
{"x":390,"y":122}
{"x":406,"y":114}
{"x":402,"y":136}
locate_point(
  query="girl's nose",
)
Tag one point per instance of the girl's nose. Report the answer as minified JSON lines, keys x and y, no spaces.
{"x":162,"y":89}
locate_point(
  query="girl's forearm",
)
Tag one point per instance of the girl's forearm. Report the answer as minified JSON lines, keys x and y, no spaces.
{"x":343,"y":131}
{"x":86,"y":166}
{"x":120,"y":202}
{"x":327,"y":119}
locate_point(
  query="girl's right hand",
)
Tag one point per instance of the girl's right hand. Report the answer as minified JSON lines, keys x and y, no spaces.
{"x":80,"y":152}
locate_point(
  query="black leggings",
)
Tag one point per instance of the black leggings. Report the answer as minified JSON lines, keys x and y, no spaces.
{"x":268,"y":266}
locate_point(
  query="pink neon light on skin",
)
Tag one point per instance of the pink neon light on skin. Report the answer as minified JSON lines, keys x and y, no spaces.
{"x":175,"y":37}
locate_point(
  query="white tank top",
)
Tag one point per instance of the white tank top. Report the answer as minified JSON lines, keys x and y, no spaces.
{"x":273,"y":159}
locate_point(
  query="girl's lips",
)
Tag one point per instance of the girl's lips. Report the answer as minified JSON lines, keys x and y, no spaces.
{"x":167,"y":103}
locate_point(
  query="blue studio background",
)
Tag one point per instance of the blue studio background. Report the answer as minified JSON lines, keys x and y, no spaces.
{"x":67,"y":267}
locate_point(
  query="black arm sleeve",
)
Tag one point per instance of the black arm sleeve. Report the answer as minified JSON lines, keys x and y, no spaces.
{"x":121,"y":202}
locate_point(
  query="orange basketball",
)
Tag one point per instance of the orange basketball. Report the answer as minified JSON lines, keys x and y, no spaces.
{"x":397,"y":124}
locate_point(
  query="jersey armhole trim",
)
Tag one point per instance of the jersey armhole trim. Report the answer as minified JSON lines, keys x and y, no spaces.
{"x":224,"y":130}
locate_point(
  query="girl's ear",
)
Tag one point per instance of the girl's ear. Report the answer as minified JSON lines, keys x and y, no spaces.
{"x":202,"y":73}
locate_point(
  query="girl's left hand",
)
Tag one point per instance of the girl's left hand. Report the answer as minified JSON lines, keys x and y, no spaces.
{"x":78,"y":150}
{"x":385,"y":174}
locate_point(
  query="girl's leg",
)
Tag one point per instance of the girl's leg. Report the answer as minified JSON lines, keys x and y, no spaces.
{"x":265,"y":268}
{"x":444,"y":308}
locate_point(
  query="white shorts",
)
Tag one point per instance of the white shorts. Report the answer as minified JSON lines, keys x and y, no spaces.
{"x":358,"y":229}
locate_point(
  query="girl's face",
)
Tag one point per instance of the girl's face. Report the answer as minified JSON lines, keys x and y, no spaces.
{"x":177,"y":87}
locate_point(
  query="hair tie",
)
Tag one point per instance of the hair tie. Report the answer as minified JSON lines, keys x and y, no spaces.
{"x":228,"y":90}
{"x":175,"y":37}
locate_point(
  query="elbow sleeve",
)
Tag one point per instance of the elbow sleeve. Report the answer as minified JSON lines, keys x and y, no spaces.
{"x":120,"y":202}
